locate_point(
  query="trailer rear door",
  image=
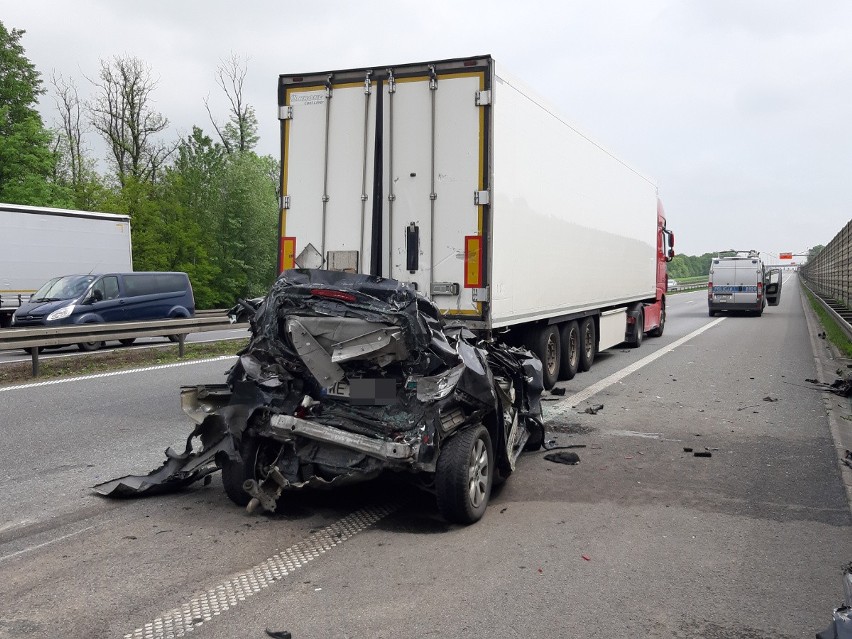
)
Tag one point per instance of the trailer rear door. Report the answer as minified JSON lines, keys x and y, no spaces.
{"x":384,"y":172}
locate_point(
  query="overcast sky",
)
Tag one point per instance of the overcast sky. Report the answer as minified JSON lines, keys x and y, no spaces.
{"x":738,"y":109}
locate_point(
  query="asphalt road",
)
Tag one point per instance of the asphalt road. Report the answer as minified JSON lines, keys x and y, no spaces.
{"x":641,"y":539}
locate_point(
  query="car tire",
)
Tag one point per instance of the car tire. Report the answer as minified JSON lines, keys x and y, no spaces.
{"x":88,"y":347}
{"x":658,"y":331}
{"x":546,"y":346}
{"x":588,"y":343}
{"x":174,"y":338}
{"x":639,"y":330}
{"x":464,"y":475}
{"x":29,"y":351}
{"x":254,"y":453}
{"x":569,"y":338}
{"x":127,"y":342}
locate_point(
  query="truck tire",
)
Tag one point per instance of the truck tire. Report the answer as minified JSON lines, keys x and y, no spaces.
{"x":639,"y":330}
{"x":464,"y":475}
{"x":658,"y":331}
{"x":569,"y":338}
{"x":255,"y":452}
{"x":588,"y":343}
{"x":545,"y":344}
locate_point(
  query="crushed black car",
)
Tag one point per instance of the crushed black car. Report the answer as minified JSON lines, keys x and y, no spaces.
{"x":347,"y":376}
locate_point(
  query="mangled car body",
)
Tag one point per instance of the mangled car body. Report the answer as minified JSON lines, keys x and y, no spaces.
{"x":347,"y":376}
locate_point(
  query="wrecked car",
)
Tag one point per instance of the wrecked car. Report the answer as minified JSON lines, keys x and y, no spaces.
{"x":347,"y":376}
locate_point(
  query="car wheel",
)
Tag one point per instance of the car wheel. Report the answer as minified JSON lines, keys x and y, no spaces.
{"x":127,"y":342}
{"x":639,"y":330}
{"x":545,"y":344}
{"x":464,"y":475}
{"x":588,"y":343}
{"x":658,"y":332}
{"x":256,"y":455}
{"x":29,"y":351}
{"x":569,"y":338}
{"x":88,"y":347}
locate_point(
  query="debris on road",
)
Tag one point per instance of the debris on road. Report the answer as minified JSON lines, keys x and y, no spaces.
{"x":279,"y":634}
{"x":771,"y":399}
{"x":586,"y":557}
{"x":847,"y":458}
{"x":687,"y":449}
{"x":557,"y":391}
{"x":700,"y":453}
{"x":563,"y":458}
{"x":593,"y":410}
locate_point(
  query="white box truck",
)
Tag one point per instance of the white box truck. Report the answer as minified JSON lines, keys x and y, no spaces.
{"x":38,"y":243}
{"x":453,"y":176}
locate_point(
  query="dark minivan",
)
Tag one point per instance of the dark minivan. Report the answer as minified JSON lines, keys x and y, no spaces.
{"x":109,"y":297}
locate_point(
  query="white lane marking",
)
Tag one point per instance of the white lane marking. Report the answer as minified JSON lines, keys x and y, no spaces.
{"x":205,"y":607}
{"x":47,"y":543}
{"x":128,"y":371}
{"x":570,"y":402}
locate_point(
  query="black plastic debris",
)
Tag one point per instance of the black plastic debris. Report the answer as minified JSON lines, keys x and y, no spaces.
{"x":841,"y":386}
{"x":557,"y":391}
{"x":847,"y":458}
{"x":770,"y":399}
{"x":563,"y":458}
{"x":279,"y":634}
{"x":593,"y":410}
{"x":702,"y":453}
{"x":687,"y":449}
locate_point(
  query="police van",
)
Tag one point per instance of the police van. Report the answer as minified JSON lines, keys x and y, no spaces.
{"x":737,"y":284}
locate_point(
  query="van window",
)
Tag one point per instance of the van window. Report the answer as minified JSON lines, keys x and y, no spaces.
{"x":63,"y":288}
{"x":108,"y":287}
{"x":153,"y":283}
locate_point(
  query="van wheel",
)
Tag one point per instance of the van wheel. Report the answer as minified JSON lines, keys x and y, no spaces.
{"x":464,"y":475}
{"x":588,"y":343}
{"x":658,"y":332}
{"x":88,"y":347}
{"x":127,"y":342}
{"x":569,"y":337}
{"x":545,"y":344}
{"x":174,"y":338}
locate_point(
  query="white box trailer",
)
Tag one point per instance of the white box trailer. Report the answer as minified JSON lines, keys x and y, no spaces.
{"x":38,"y":243}
{"x":455,"y":177}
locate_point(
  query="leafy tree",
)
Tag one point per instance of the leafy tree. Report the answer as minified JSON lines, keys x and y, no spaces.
{"x":240,"y":132}
{"x":814,"y":251}
{"x":27,"y":161}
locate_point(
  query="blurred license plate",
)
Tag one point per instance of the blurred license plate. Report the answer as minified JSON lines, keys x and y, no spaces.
{"x":340,"y":389}
{"x":721,"y":297}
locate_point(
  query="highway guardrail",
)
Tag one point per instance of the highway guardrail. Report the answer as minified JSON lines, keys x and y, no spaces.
{"x":34,"y":338}
{"x":838,"y":311}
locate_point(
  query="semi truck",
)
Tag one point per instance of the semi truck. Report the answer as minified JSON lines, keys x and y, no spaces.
{"x":456,"y":178}
{"x":39,"y":243}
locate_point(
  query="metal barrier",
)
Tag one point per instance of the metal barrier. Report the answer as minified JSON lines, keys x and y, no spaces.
{"x":830,"y":271}
{"x":33,"y":338}
{"x":687,"y":287}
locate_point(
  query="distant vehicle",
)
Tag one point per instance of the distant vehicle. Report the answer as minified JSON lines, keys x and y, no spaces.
{"x":110,"y":297}
{"x":738,"y":284}
{"x":38,"y":243}
{"x":672,"y":282}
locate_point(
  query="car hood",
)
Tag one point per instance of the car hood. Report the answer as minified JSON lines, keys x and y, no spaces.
{"x":40,"y":308}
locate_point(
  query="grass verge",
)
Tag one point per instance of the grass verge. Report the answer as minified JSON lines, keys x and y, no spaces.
{"x":833,"y":332}
{"x":21,"y":372}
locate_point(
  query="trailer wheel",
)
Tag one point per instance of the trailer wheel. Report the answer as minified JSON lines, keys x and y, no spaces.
{"x":464,"y":475}
{"x":658,"y":332}
{"x":588,"y":343}
{"x":639,"y":330}
{"x":569,"y":336}
{"x":256,"y":454}
{"x":546,"y":346}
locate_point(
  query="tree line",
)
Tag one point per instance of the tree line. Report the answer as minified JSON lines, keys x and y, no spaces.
{"x":205,"y":204}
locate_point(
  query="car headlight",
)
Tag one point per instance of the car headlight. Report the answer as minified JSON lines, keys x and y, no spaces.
{"x":61,"y":313}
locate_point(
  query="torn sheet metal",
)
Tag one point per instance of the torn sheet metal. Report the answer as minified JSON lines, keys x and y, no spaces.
{"x":347,"y":375}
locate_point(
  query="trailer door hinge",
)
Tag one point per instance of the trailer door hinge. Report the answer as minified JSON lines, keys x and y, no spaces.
{"x":479,"y":294}
{"x":481,"y":198}
{"x":285,"y":113}
{"x":285,"y":202}
{"x":483,"y":98}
